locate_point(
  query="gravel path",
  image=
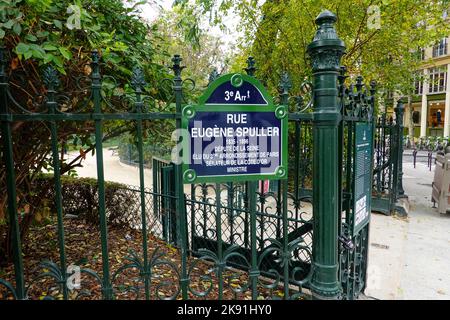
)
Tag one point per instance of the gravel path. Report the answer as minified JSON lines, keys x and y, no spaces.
{"x":114,"y":170}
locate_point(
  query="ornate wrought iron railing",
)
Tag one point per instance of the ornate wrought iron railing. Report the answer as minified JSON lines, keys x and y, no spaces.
{"x":208,"y":241}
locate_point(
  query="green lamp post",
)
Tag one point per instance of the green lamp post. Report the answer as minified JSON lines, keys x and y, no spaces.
{"x":325,"y":51}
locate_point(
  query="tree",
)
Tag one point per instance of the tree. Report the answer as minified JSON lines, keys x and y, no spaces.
{"x":38,"y":33}
{"x":382,"y":36}
{"x":201,"y":51}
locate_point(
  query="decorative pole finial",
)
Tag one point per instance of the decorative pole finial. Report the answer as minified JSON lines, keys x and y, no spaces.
{"x":95,"y":64}
{"x":326,"y":49}
{"x":359,"y":83}
{"x":50,"y":78}
{"x":213,"y":75}
{"x":177,"y":67}
{"x":251,"y":69}
{"x":138,"y":80}
{"x":284,"y":87}
{"x":373,"y":87}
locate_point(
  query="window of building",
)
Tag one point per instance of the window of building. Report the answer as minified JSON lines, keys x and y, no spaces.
{"x":440,"y":49}
{"x":418,"y":83}
{"x":438,"y":79}
{"x":422,"y":54}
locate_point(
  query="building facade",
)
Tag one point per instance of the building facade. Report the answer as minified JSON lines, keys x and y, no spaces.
{"x":428,"y":114}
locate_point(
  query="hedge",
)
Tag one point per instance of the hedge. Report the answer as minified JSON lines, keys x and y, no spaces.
{"x":80,"y":198}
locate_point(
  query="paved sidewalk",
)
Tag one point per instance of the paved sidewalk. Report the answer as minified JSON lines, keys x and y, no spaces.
{"x":409,"y":258}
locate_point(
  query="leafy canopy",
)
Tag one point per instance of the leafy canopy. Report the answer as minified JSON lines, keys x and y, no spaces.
{"x":277,"y":33}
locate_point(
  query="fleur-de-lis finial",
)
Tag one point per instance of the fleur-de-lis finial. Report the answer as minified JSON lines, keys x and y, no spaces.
{"x":95,"y":65}
{"x":177,"y":67}
{"x":138,"y":79}
{"x":95,"y":56}
{"x":373,"y":87}
{"x":342,"y":75}
{"x":213,"y":75}
{"x":284,"y":87}
{"x":285,"y":82}
{"x":359,"y":83}
{"x":50,"y":78}
{"x":251,"y":69}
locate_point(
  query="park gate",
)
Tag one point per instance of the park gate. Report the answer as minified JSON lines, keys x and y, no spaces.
{"x":293,"y":238}
{"x":388,"y":168}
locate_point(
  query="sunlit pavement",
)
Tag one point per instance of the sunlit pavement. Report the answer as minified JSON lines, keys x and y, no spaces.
{"x":409,"y":258}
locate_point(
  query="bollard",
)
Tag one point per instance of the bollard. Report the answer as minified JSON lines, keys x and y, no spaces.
{"x":430,"y":156}
{"x":414,"y":157}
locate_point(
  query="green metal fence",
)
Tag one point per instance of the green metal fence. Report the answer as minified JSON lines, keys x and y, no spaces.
{"x":388,"y":168}
{"x":294,"y":239}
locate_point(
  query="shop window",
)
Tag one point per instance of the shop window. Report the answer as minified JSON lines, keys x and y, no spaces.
{"x":436,"y":116}
{"x":416,"y":117}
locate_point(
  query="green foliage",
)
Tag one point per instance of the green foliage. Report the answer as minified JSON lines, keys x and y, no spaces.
{"x":278,"y":32}
{"x":81,"y":199}
{"x":179,"y":32}
{"x":40,"y":33}
{"x":38,"y":30}
{"x":128,"y":151}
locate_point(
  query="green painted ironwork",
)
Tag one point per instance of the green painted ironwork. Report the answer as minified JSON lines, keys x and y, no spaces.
{"x":286,"y":239}
{"x":388,"y":168}
{"x":97,"y":100}
{"x":52,"y":82}
{"x":19,"y":290}
{"x":326,"y":51}
{"x":357,"y":102}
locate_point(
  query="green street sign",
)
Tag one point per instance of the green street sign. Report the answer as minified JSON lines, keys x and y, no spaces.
{"x":362,"y":175}
{"x":235,"y":133}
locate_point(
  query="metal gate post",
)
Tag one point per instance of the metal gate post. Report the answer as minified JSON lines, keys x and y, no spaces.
{"x":179,"y":187}
{"x":325,"y":51}
{"x":399,"y":110}
{"x":8,"y":158}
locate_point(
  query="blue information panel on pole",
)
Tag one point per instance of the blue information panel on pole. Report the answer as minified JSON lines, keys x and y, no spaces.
{"x":235,"y":133}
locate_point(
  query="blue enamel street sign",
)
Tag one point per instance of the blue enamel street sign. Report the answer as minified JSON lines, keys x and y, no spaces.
{"x":235,"y":133}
